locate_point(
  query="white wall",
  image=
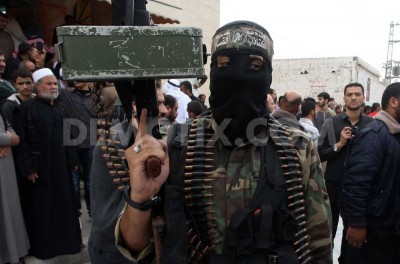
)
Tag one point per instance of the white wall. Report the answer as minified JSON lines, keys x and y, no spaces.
{"x":324,"y":75}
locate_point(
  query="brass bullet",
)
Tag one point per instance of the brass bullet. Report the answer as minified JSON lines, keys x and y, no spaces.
{"x":110,"y":149}
{"x":289,"y":158}
{"x":196,"y":130}
{"x":199,"y":154}
{"x":305,"y":245}
{"x":197,"y":174}
{"x":297,"y":187}
{"x":200,"y":142}
{"x":299,"y":209}
{"x":122,"y":173}
{"x":301,"y":232}
{"x":199,"y":160}
{"x":285,"y":145}
{"x":295,"y":180}
{"x":120,"y":180}
{"x":198,"y":196}
{"x":307,"y":260}
{"x":294,"y":165}
{"x":197,"y":188}
{"x":198,"y":181}
{"x":201,"y":148}
{"x":192,"y":239}
{"x":200,"y":136}
{"x":304,"y":255}
{"x":117,"y":142}
{"x":302,"y":223}
{"x":296,"y":195}
{"x":301,"y":240}
{"x":298,"y":202}
{"x":287,"y":151}
{"x":115,"y":158}
{"x":198,"y":167}
{"x":292,"y":173}
{"x":302,"y":216}
{"x":118,"y":166}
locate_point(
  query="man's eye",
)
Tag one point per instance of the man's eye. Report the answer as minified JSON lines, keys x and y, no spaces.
{"x":223,"y":61}
{"x":256,"y":62}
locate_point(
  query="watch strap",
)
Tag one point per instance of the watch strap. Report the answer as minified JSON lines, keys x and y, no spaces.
{"x":140,"y":206}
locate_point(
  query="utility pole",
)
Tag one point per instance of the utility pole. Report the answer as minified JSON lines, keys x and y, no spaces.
{"x":392,"y":66}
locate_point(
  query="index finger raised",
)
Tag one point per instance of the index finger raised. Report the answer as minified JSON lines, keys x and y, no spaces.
{"x":142,"y":130}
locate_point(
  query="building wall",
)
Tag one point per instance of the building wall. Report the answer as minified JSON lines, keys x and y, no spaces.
{"x":205,"y":15}
{"x":311,"y":76}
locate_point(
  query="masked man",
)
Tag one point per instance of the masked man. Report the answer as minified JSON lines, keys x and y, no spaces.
{"x":251,"y":190}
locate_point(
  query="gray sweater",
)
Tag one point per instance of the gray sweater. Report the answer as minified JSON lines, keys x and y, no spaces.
{"x":106,"y":200}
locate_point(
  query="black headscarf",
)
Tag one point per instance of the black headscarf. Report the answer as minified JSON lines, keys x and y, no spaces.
{"x":238,"y":92}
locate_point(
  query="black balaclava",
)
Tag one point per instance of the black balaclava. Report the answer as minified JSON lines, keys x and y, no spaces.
{"x":237,"y":91}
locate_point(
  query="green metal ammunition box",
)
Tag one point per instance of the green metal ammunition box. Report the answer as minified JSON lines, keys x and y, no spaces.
{"x":99,"y":53}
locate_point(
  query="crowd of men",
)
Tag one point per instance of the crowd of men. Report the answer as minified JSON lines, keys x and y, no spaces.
{"x":53,"y":134}
{"x":215,"y":199}
{"x":352,"y":168}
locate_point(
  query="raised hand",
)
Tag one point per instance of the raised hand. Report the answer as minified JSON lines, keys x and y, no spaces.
{"x":144,"y":185}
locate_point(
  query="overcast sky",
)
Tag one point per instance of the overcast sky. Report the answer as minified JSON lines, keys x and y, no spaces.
{"x":320,"y":28}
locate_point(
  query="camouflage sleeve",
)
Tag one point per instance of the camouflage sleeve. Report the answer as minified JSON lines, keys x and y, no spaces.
{"x":318,"y":212}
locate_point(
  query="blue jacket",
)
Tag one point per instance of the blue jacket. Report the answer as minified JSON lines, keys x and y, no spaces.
{"x":371,"y":184}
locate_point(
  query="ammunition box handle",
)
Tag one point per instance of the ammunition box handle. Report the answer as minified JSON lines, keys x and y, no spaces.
{"x":59,"y":51}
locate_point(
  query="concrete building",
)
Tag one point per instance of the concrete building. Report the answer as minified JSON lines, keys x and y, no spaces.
{"x":310,"y":76}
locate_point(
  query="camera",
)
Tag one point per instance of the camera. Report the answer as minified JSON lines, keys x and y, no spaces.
{"x":354,"y":130}
{"x":39,"y":46}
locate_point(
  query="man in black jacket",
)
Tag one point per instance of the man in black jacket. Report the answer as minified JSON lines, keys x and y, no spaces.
{"x":77,"y":106}
{"x":371,"y":187}
{"x":23,"y":82}
{"x":336,"y":133}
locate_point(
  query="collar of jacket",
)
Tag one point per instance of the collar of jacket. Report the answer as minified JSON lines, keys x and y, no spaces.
{"x":344,"y":116}
{"x":389,"y":121}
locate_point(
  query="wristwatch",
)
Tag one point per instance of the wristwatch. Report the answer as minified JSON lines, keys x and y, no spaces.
{"x":140,"y":206}
{"x":335,"y":148}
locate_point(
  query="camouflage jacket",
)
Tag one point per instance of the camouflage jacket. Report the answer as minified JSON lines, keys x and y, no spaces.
{"x":236,"y":177}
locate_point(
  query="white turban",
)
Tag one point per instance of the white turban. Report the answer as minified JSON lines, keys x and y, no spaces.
{"x":39,"y":74}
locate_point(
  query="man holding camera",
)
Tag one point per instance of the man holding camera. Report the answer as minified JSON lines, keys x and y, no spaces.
{"x":336,"y":133}
{"x":371,"y":187}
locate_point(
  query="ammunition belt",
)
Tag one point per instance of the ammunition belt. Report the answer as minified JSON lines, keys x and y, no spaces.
{"x":293,"y":182}
{"x":113,"y":151}
{"x":198,"y":189}
{"x":199,"y":166}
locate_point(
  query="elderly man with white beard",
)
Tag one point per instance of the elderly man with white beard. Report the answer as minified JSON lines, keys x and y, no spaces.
{"x":47,"y":191}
